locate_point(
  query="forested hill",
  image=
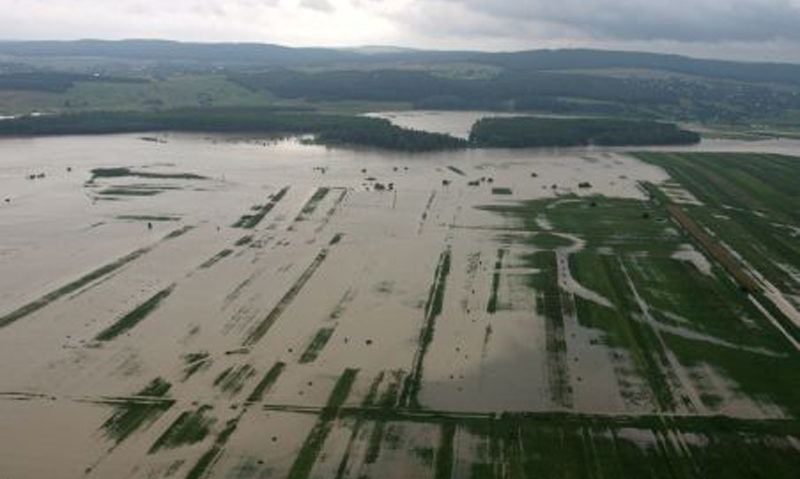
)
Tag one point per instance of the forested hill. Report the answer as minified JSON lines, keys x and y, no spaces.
{"x":259,"y":55}
{"x":147,"y":75}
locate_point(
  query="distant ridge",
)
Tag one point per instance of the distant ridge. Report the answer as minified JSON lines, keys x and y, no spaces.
{"x":270,"y":55}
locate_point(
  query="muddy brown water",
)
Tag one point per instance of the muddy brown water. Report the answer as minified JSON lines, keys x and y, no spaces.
{"x":379,"y":250}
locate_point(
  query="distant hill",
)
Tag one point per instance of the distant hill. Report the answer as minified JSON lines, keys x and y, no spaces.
{"x":256,"y":55}
{"x":166,"y":51}
{"x":143,"y":75}
{"x":539,"y":60}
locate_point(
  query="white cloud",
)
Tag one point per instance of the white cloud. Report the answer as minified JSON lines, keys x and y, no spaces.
{"x":321,"y":5}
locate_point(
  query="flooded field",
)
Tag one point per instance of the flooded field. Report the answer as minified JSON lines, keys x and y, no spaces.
{"x":187,"y":306}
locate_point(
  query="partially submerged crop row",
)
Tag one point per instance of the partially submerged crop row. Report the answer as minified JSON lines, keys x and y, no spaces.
{"x":433,"y":308}
{"x":252,"y":220}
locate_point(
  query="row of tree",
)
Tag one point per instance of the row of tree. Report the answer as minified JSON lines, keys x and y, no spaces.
{"x":525,"y":132}
{"x":328,"y":129}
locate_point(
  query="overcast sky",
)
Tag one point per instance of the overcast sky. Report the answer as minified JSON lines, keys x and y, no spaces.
{"x":745,"y":29}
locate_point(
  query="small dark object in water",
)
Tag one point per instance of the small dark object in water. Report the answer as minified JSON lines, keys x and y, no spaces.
{"x":8,"y":200}
{"x":149,"y":225}
{"x":473,"y":183}
{"x":490,"y":180}
{"x":363,"y":170}
{"x":554,"y":186}
{"x":69,"y":168}
{"x":368,"y":341}
{"x":379,"y":187}
{"x":291,"y":350}
{"x":534,"y":175}
{"x":584,"y":184}
{"x":445,"y":182}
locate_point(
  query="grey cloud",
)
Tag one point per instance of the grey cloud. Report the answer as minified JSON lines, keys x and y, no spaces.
{"x":680,"y":20}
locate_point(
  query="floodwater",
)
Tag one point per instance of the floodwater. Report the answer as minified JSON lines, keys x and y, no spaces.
{"x":334,"y":257}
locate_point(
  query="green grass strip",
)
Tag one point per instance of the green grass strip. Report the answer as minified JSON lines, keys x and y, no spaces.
{"x":130,"y":320}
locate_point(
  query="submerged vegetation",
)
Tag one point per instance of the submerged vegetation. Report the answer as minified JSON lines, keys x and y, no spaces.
{"x":130,"y":320}
{"x":138,"y":411}
{"x":305,"y":459}
{"x":250,"y":221}
{"x":433,"y":308}
{"x":190,"y":427}
{"x":122,"y":172}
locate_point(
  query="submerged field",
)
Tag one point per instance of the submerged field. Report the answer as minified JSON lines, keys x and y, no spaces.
{"x":209,"y":307}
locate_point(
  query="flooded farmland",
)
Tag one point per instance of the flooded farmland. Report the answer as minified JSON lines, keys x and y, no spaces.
{"x":192,"y":306}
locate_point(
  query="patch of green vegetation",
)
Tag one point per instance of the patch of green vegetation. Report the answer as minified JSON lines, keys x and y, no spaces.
{"x":316,"y":345}
{"x":231,"y":381}
{"x":138,"y":411}
{"x":445,"y":454}
{"x":312,"y":203}
{"x":244,"y":240}
{"x":216,"y":258}
{"x":70,"y":288}
{"x":147,"y":218}
{"x":425,"y":455}
{"x":210,"y":457}
{"x":266,"y":382}
{"x":747,"y":369}
{"x":456,"y":170}
{"x":190,"y":427}
{"x":122,"y":172}
{"x":131,"y":191}
{"x":130,"y":320}
{"x":663,"y":311}
{"x":385,"y":403}
{"x":336,"y":239}
{"x":501,"y":190}
{"x":749,"y":201}
{"x":374,"y":442}
{"x":179,"y":232}
{"x":262,"y":327}
{"x":550,"y":241}
{"x":433,"y":308}
{"x":551,"y":305}
{"x":252,"y":220}
{"x":305,"y":459}
{"x":194,"y":362}
{"x":491,"y":306}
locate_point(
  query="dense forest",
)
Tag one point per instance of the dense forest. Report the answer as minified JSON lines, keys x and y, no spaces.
{"x":516,"y":132}
{"x":524,"y":132}
{"x":328,"y":129}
